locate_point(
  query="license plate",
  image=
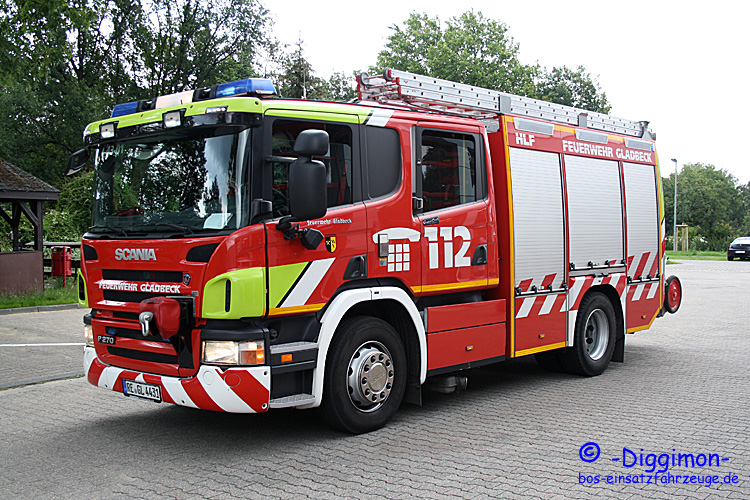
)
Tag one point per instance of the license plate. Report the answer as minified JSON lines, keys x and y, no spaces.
{"x":739,"y":251}
{"x":141,"y":390}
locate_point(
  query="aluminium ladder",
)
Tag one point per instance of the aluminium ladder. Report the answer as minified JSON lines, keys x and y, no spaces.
{"x":404,"y":89}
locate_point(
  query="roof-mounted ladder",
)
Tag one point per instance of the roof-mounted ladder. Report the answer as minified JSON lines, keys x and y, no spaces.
{"x":403,"y":89}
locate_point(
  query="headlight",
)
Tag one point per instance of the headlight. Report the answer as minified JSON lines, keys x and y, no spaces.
{"x":226,"y":352}
{"x":88,"y":335}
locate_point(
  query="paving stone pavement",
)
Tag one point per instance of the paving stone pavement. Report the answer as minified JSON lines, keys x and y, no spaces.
{"x":50,"y":356}
{"x":515,"y":433}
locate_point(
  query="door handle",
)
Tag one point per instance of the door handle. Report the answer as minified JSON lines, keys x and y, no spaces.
{"x":480,"y":256}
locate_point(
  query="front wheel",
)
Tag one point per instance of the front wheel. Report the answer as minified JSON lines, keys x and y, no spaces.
{"x":594,"y":338}
{"x":365,"y":377}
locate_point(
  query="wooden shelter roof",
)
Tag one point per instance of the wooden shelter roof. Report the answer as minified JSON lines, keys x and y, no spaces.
{"x":17,"y":184}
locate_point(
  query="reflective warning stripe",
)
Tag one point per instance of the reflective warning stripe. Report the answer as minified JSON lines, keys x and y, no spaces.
{"x":235,"y":390}
{"x":307,"y":283}
{"x":378,"y":117}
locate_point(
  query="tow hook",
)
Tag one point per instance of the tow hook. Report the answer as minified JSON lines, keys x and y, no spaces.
{"x":145,"y":319}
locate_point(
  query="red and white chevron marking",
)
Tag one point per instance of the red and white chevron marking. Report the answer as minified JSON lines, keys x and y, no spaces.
{"x":236,"y":390}
{"x":640,"y":288}
{"x":643,"y":265}
{"x":582,"y":284}
{"x":544,"y":304}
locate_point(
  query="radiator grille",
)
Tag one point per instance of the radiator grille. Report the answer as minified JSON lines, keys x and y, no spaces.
{"x":137,"y":275}
{"x":153,"y":357}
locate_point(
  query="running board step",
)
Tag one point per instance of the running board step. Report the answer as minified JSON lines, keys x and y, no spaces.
{"x":294,"y":400}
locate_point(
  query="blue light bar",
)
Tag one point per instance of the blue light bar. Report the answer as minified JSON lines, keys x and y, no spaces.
{"x":259,"y":86}
{"x":125,"y":109}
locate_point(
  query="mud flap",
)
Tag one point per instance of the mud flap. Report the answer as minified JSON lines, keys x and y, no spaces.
{"x":618,"y":355}
{"x":413,"y":394}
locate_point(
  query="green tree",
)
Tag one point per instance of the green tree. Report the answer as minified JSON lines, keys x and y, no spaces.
{"x":340,"y":87}
{"x":296,"y":79}
{"x":470,"y":48}
{"x":475,"y":50}
{"x":65,"y":63}
{"x":573,"y":87}
{"x":707,"y":199}
{"x":185,"y":44}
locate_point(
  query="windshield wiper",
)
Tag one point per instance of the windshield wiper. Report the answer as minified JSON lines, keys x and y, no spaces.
{"x":118,"y":230}
{"x":178,"y":227}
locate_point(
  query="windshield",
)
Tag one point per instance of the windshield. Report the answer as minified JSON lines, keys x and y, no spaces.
{"x":188,"y":185}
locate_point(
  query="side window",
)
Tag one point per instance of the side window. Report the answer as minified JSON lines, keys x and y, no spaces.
{"x":448,"y":168}
{"x":383,"y":161}
{"x":338,"y":161}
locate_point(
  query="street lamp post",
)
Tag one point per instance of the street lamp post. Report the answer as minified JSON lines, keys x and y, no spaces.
{"x":675,"y":206}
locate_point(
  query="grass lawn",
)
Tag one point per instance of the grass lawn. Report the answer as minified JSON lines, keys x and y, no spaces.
{"x":693,"y":255}
{"x":53,"y":293}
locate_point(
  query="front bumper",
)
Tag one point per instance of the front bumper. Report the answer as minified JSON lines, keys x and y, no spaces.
{"x":233,"y":390}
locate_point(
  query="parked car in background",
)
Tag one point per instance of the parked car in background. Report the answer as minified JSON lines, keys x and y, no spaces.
{"x":739,"y":248}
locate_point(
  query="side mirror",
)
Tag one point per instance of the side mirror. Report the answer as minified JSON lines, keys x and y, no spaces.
{"x":76,"y":162}
{"x":307,"y":177}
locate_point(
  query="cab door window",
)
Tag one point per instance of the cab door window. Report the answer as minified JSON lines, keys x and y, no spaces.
{"x":447,"y":169}
{"x":339,"y":162}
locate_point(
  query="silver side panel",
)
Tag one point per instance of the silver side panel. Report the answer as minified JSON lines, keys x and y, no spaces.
{"x":538,"y":216}
{"x":595,"y":211}
{"x":642,"y":215}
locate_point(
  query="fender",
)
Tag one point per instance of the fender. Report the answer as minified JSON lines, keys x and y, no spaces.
{"x":581,"y":286}
{"x":336,"y":311}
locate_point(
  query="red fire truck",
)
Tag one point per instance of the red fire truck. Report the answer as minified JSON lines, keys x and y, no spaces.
{"x":250,"y":252}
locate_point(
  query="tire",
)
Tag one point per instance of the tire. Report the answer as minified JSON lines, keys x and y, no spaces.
{"x":363,"y":345}
{"x":549,"y":360}
{"x":730,"y":259}
{"x":672,"y":294}
{"x":594,"y":337}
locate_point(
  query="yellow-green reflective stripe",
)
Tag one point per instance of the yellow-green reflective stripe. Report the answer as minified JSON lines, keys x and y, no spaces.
{"x":281,"y":279}
{"x":85,"y":301}
{"x":313,"y":115}
{"x":233,"y":104}
{"x":247,"y":299}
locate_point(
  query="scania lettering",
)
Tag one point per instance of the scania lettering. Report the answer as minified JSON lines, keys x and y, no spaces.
{"x":250,"y":252}
{"x":135,"y":254}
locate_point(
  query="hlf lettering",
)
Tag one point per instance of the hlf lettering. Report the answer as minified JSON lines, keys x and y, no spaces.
{"x":521,"y":138}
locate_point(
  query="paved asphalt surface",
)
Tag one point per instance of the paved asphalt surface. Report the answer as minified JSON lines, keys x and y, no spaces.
{"x":517,"y":432}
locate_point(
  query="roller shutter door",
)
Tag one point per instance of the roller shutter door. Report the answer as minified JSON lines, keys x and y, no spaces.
{"x":538,"y":216}
{"x":594,"y":211}
{"x":642,"y":219}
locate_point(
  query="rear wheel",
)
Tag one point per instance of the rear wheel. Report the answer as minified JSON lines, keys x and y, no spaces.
{"x":730,"y":258}
{"x":594,"y":337}
{"x":365,"y":375}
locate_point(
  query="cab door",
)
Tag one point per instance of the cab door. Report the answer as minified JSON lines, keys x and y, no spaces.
{"x":450,"y":201}
{"x":302,"y":280}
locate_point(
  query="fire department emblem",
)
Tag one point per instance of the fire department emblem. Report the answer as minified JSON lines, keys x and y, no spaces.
{"x":331,"y":243}
{"x":394,"y":253}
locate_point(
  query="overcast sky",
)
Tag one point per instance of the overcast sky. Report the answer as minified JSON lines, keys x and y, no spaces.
{"x":683,"y":66}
